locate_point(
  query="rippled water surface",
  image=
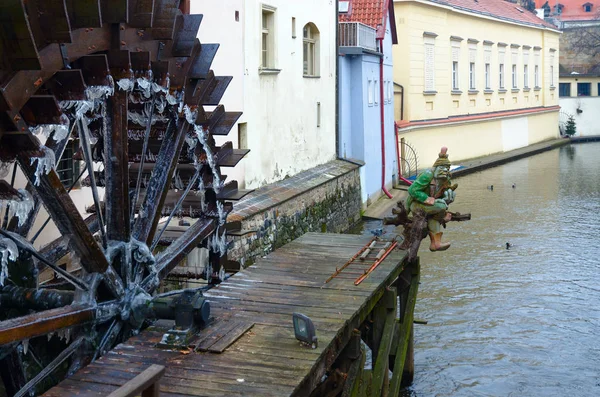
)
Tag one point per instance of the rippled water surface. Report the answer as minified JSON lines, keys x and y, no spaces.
{"x":524,"y":321}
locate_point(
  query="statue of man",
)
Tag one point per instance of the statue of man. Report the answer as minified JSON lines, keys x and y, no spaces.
{"x":431,"y":192}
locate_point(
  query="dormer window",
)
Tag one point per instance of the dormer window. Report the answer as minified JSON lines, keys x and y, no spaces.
{"x":587,"y":7}
{"x":558,"y":9}
{"x":546,"y":9}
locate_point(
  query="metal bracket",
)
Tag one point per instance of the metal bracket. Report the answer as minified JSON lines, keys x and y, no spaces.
{"x":65,"y":56}
{"x":190,"y":310}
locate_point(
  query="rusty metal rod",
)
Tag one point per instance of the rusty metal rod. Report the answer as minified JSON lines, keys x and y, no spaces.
{"x":143,"y":159}
{"x":367,"y":272}
{"x":338,"y":271}
{"x":87,"y":154}
{"x":50,"y":367}
{"x":176,"y":208}
{"x":66,"y":275}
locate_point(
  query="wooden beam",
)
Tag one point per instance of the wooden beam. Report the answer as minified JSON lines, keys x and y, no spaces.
{"x":145,"y":383}
{"x":36,"y":324}
{"x":117,"y":167}
{"x":380,"y":371}
{"x":159,"y":183}
{"x":61,"y":208}
{"x":405,"y":335}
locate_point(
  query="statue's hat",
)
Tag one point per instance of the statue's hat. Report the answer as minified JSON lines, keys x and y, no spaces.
{"x":442,"y":158}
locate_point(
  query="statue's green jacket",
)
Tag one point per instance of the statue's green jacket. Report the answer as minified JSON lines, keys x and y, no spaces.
{"x":419,"y":190}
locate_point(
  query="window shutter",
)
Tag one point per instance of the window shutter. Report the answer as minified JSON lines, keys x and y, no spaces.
{"x":487,"y":54}
{"x":455,"y":54}
{"x":429,"y":67}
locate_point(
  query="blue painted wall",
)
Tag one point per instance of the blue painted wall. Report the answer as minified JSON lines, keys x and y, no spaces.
{"x":360,"y":122}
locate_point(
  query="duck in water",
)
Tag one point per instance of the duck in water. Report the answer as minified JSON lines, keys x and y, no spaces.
{"x":508,"y":245}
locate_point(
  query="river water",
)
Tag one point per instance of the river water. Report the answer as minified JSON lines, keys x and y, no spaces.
{"x":523,"y":321}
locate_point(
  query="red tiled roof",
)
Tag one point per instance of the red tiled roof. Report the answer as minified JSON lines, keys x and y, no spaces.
{"x":369,"y":12}
{"x":372,"y":13}
{"x":572,"y":10}
{"x":500,"y":9}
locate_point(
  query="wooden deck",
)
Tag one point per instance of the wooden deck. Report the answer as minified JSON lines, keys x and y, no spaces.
{"x":266,"y":360}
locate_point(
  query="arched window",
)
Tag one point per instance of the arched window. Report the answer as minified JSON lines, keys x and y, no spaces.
{"x":310,"y":43}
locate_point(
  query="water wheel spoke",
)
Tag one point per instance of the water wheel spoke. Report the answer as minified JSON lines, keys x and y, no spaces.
{"x":138,"y":182}
{"x":59,"y":247}
{"x":65,"y":354}
{"x":61,"y":208}
{"x":172,"y":256}
{"x":158,"y":186}
{"x":191,"y":183}
{"x":116,"y":166}
{"x":87,"y":154}
{"x":109,"y":338}
{"x":78,"y":283}
{"x":37,"y":324}
{"x":37,"y":203}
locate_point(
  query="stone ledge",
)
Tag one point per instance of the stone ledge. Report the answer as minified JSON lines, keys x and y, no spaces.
{"x":277,"y":193}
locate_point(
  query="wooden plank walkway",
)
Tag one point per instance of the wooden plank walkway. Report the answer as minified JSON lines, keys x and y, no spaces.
{"x":266,"y":360}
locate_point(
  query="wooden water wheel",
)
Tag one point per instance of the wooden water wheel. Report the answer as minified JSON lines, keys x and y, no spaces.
{"x":130,"y":82}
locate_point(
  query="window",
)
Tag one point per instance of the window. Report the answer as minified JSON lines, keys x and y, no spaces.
{"x":564,"y":89}
{"x":376,"y":91}
{"x":584,"y":89}
{"x":455,"y":75}
{"x":487,"y":67}
{"x":293,"y":27}
{"x":551,"y":75}
{"x":472,"y":64}
{"x":268,"y":38}
{"x":310,"y":42}
{"x":526,"y":76}
{"x":67,"y":168}
{"x":501,"y":54}
{"x":514,"y":76}
{"x":587,"y":7}
{"x":455,"y":65}
{"x":536,"y":75}
{"x":429,"y":43}
{"x":370,"y":92}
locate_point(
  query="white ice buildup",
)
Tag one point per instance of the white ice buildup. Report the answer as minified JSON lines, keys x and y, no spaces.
{"x":44,"y":163}
{"x":8,"y":251}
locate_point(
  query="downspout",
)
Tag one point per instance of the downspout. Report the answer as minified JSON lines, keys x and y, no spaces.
{"x":381,"y":104}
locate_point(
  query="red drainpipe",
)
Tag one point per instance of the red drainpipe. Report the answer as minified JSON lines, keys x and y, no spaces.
{"x":382,"y":121}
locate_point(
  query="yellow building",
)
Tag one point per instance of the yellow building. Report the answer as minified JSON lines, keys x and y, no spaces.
{"x":480,"y":77}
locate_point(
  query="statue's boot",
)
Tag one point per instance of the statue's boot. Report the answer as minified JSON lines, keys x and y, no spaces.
{"x":436,"y":242}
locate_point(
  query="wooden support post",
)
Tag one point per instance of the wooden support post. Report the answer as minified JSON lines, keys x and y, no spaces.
{"x":380,"y":371}
{"x":355,"y":376}
{"x":404,"y":361}
{"x":146,"y":383}
{"x":409,"y":362}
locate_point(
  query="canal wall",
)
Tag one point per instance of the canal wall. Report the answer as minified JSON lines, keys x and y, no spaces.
{"x":326,"y":198}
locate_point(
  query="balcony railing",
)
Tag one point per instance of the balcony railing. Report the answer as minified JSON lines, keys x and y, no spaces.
{"x":356,"y":34}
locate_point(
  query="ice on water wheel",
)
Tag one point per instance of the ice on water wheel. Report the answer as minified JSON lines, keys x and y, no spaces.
{"x":132,"y":84}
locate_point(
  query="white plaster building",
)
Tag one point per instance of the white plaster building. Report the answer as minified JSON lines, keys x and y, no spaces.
{"x":282,"y":56}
